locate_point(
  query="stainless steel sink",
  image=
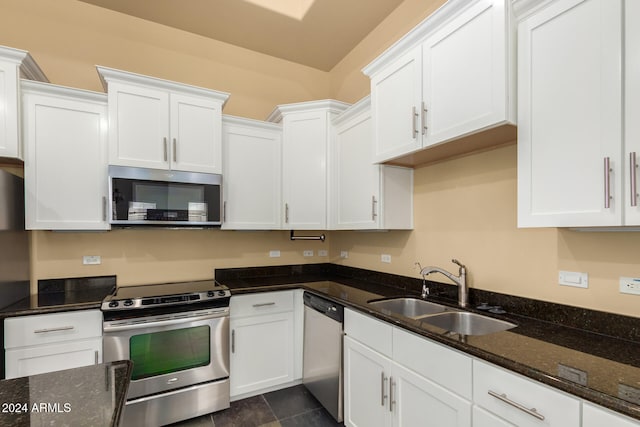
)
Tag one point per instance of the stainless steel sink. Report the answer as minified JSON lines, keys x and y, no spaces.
{"x":464,"y":323}
{"x":408,"y":307}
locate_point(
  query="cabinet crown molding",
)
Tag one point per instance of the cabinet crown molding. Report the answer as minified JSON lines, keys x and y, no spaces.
{"x":243,"y":121}
{"x":62,"y":91}
{"x":417,"y":35}
{"x":331,"y":105}
{"x":108,"y":75}
{"x":28,"y":67}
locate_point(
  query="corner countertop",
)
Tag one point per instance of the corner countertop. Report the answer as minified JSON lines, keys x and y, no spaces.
{"x":598,"y":368}
{"x":90,"y":395}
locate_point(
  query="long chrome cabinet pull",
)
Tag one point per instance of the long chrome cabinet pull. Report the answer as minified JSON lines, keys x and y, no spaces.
{"x":96,"y":357}
{"x":607,"y":182}
{"x":224,"y":211}
{"x":175,"y":151}
{"x":633,"y":168}
{"x":166,"y":156}
{"x":414,"y":126}
{"x":392,"y":400}
{"x":424,"y":118}
{"x":104,"y":208}
{"x":383,"y":383}
{"x":503,"y":397}
{"x":61,"y":328}
{"x":233,"y":341}
{"x":264,"y":304}
{"x":286,"y":213}
{"x":374,"y":214}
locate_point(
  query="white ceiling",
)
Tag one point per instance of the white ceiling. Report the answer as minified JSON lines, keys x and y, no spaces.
{"x":317,"y":33}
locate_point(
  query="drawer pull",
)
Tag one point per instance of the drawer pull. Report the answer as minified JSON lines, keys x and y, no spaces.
{"x":503,"y":397}
{"x":264,"y":304}
{"x":61,"y":328}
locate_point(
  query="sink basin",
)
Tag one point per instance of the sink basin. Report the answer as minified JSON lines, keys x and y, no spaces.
{"x":408,"y":307}
{"x":464,"y":323}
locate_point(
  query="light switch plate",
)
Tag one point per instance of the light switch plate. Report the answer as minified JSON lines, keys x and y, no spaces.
{"x":573,"y":278}
{"x":344,"y":254}
{"x":91,"y":260}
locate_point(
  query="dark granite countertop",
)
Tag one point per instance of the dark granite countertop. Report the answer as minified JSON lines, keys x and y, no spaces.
{"x":87,"y":396}
{"x":596,"y":367}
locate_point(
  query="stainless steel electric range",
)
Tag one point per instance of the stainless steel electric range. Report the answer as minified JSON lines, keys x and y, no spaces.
{"x":177,"y":336}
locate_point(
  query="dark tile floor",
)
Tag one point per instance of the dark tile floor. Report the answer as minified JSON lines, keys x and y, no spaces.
{"x":290,"y":407}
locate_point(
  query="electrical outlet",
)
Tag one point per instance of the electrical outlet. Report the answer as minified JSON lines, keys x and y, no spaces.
{"x":323,"y":252}
{"x":630,"y":285}
{"x":344,"y":254}
{"x":274,"y":254}
{"x":91,"y":260}
{"x":307,"y":253}
{"x":385,"y":258}
{"x":573,"y":278}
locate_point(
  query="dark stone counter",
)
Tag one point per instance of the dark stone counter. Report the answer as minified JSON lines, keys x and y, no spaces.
{"x":549,"y":348}
{"x":87,"y":396}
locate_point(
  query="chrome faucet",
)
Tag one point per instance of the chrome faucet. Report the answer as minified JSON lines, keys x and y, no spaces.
{"x":460,"y":281}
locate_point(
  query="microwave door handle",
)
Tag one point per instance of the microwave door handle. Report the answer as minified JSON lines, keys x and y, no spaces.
{"x":143,"y":325}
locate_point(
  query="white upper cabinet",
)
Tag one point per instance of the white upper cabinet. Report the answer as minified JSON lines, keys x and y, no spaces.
{"x":365,"y":195}
{"x":65,"y":164}
{"x":305,"y":151}
{"x":571,"y":167}
{"x":632,"y":111}
{"x":159,"y":124}
{"x":14,"y":63}
{"x":252,"y":152}
{"x":450,"y":77}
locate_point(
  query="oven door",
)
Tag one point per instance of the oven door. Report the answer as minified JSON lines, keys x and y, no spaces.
{"x":170,"y":351}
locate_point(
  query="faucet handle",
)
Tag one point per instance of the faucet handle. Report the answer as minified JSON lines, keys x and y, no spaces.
{"x":455,"y":261}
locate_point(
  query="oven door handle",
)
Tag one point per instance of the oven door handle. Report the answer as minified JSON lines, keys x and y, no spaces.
{"x":164,"y":322}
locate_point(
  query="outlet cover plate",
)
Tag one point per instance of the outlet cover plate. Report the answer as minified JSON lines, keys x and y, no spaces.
{"x":630,"y":285}
{"x":307,"y":253}
{"x":274,"y":254}
{"x":92,"y":260}
{"x":344,"y":254}
{"x":323,"y":252}
{"x":386,"y":258}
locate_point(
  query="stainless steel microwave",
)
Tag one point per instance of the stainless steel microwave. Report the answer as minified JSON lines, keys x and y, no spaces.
{"x":141,"y":196}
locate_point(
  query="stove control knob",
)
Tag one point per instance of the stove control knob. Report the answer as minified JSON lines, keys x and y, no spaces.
{"x":128,"y":302}
{"x":113,"y":304}
{"x":210,"y":294}
{"x":221,"y":293}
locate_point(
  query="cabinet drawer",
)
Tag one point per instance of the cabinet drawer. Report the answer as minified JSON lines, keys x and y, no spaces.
{"x":557,"y":408}
{"x":52,"y":328}
{"x":261,"y":303}
{"x":369,"y":331}
{"x":21,"y":362}
{"x":439,"y":364}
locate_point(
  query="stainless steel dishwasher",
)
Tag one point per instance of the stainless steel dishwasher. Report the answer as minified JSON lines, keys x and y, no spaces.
{"x":322,"y":360}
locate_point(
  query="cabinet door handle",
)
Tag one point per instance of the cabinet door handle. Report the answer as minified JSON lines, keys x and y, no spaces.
{"x":374,"y":214}
{"x":414,"y":125}
{"x":224,"y":211}
{"x":424,"y":118}
{"x":633,"y":168}
{"x":233,"y":341}
{"x":264,"y":304}
{"x":392,"y":400}
{"x":104,"y":208}
{"x":503,"y":397}
{"x":286,"y":213}
{"x":166,"y":156}
{"x":175,"y":150}
{"x":607,"y":182}
{"x":95,"y":357}
{"x":61,"y":328}
{"x":383,"y":383}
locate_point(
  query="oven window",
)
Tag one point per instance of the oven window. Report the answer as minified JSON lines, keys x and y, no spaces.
{"x":164,"y":352}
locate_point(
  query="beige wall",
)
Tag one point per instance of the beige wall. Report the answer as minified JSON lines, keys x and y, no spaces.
{"x":464,"y":207}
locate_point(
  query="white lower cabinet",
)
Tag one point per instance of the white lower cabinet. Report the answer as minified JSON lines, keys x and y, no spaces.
{"x":597,"y":416}
{"x":379,"y":391}
{"x":52,"y":342}
{"x":521,"y":401}
{"x":482,"y":418}
{"x":263,"y":342}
